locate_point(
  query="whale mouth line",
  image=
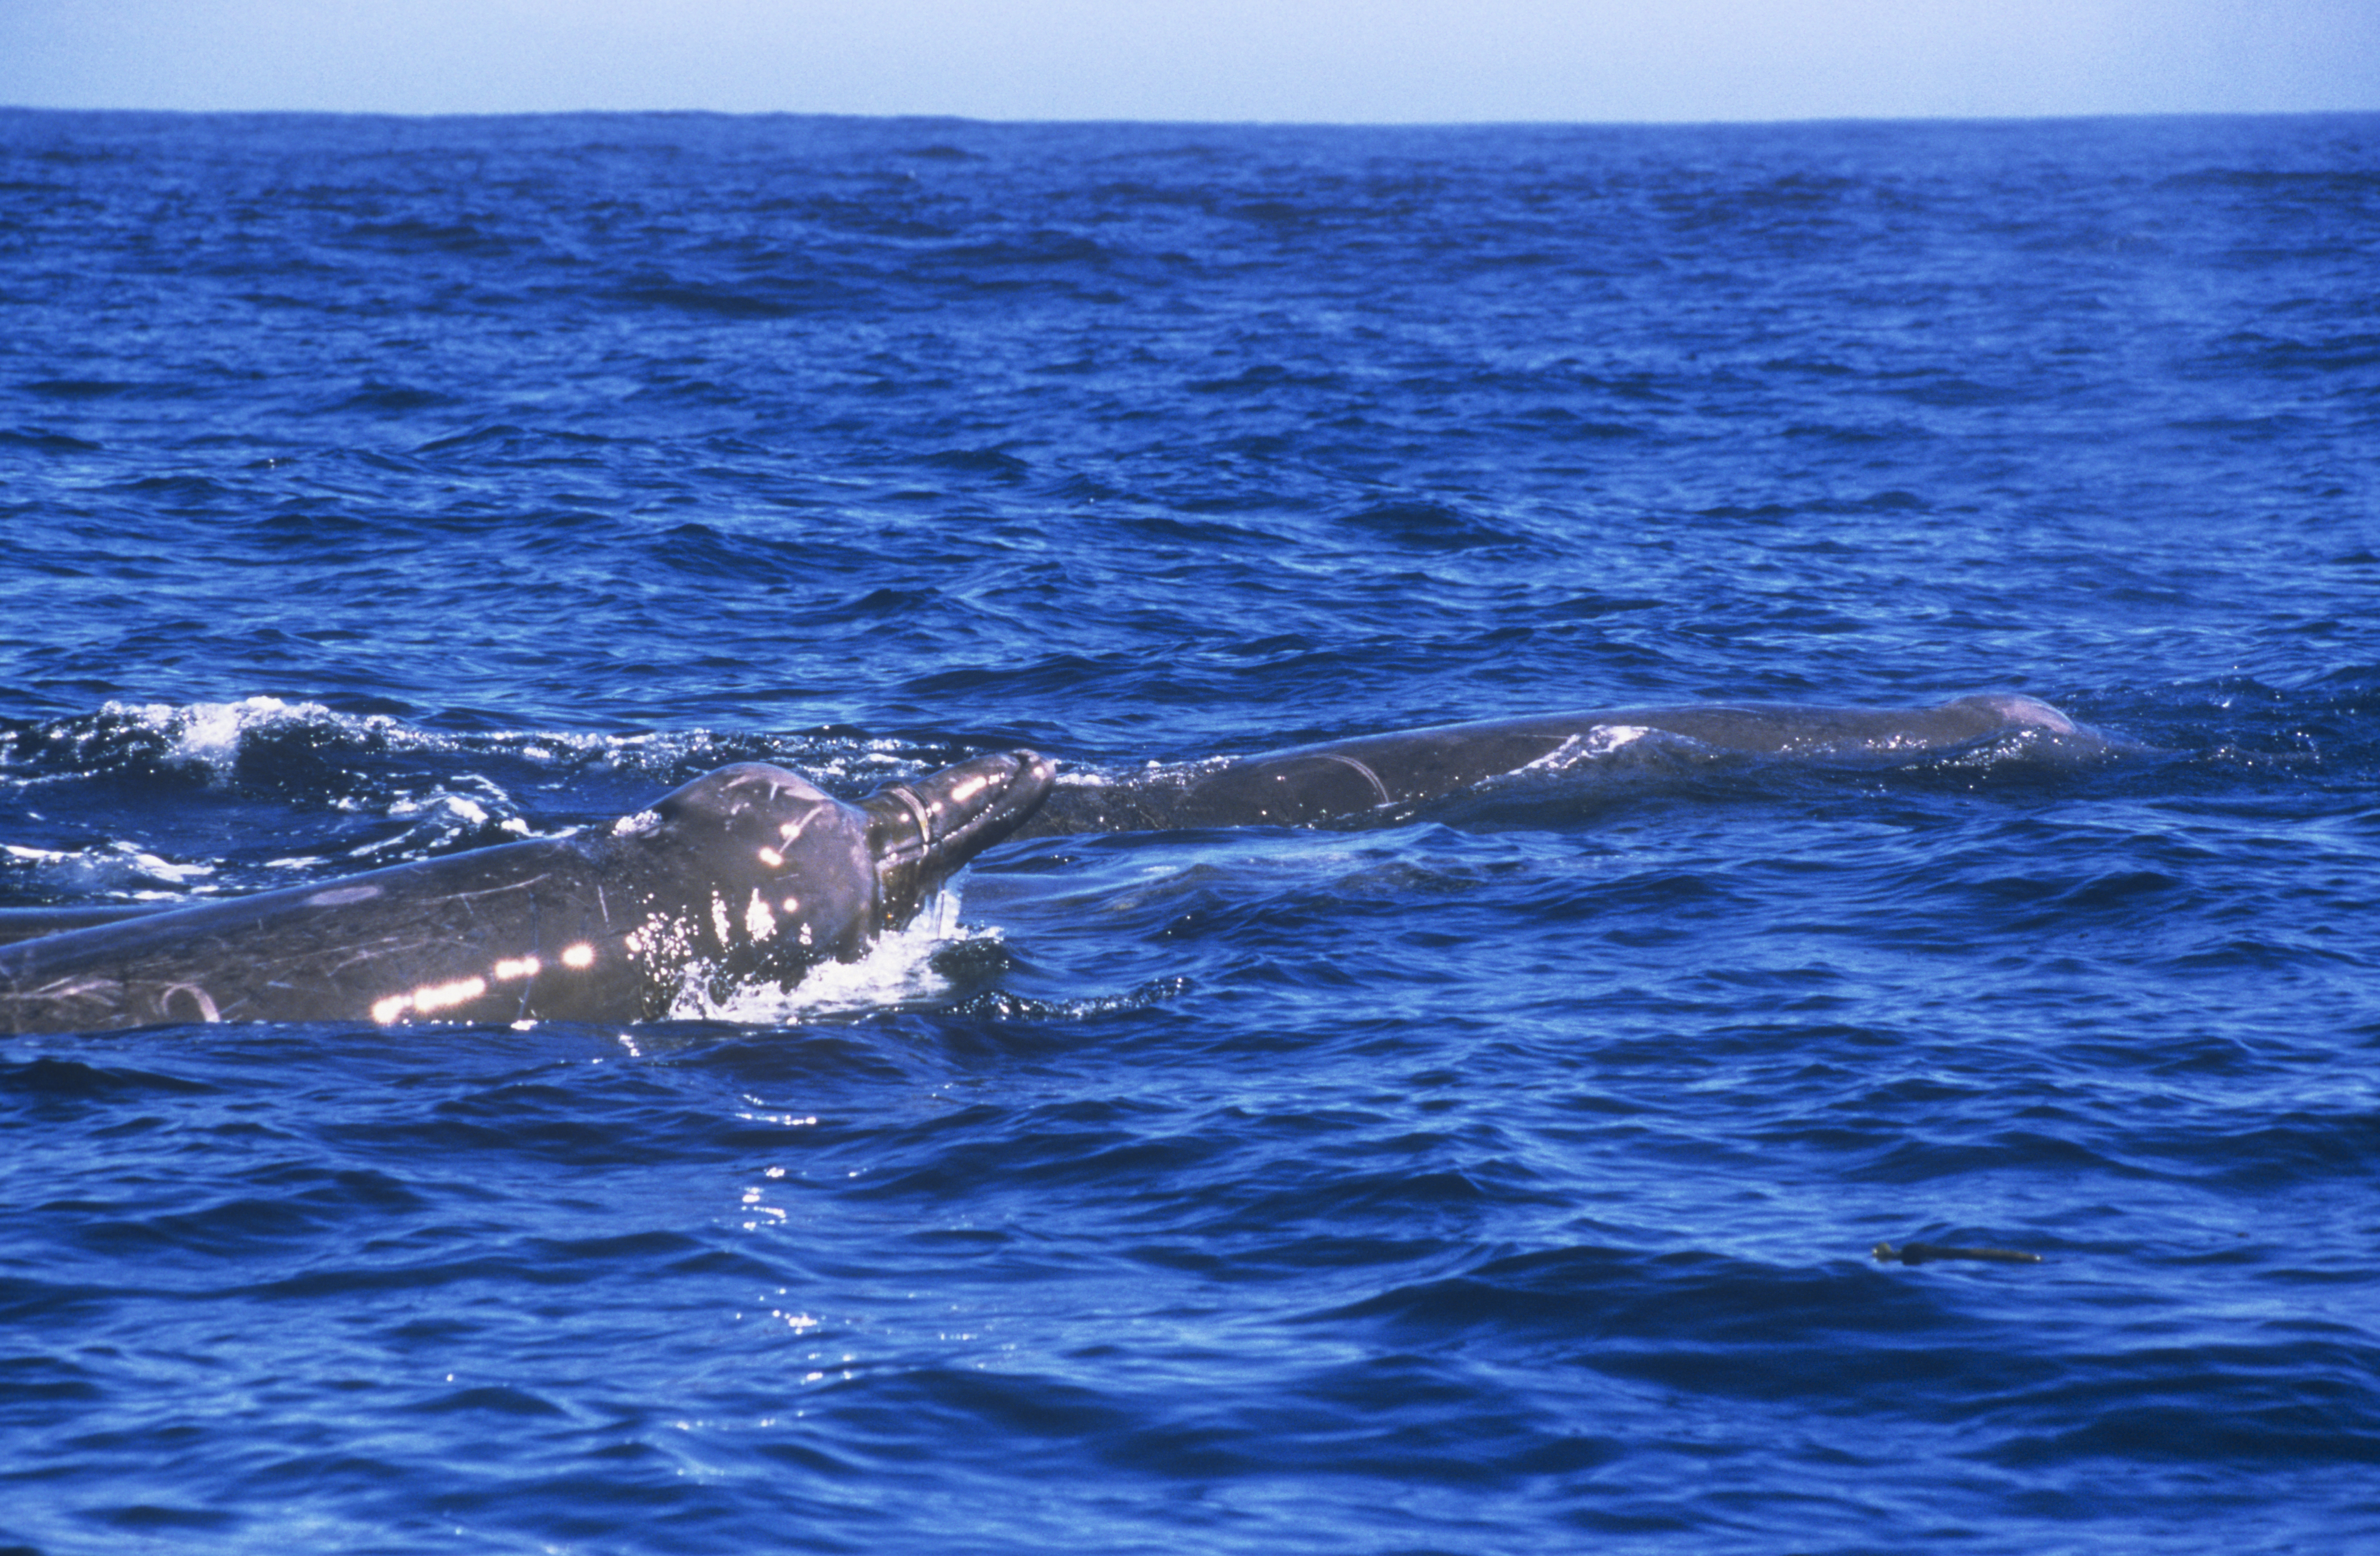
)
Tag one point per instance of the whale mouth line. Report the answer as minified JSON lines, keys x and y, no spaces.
{"x":922,"y":830}
{"x":962,"y":809}
{"x":923,"y":843}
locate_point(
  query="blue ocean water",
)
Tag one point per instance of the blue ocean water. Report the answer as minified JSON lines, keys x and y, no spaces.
{"x":1501,"y":1181}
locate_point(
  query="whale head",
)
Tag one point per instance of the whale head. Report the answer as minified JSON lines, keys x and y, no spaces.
{"x":750,"y":872}
{"x":775,"y":874}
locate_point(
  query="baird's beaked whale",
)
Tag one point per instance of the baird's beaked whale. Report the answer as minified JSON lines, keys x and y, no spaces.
{"x":750,"y":872}
{"x":1344,"y":780}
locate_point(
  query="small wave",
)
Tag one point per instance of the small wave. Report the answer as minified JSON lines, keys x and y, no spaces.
{"x":117,"y":869}
{"x":384,"y":398}
{"x":78,"y":389}
{"x":47,"y":442}
{"x":1002,"y":1004}
{"x":209,"y":736}
{"x":1428,"y":526}
{"x":222,"y":740}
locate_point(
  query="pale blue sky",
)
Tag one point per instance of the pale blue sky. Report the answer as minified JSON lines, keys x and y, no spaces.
{"x":1335,"y":60}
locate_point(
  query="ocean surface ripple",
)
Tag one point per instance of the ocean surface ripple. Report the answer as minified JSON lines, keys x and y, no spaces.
{"x":1502,"y":1179}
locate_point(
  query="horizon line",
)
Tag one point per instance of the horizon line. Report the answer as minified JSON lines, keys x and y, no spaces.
{"x":1087,"y":120}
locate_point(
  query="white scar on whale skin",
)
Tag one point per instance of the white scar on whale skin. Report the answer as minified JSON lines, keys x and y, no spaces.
{"x":200,"y":996}
{"x":1369,"y":777}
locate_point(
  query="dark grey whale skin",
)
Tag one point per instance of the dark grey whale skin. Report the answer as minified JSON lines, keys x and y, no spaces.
{"x":1338,"y":781}
{"x":753,"y":874}
{"x":747,"y":872}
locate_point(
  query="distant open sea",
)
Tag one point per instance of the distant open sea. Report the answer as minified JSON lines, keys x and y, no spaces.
{"x":1501,"y":1181}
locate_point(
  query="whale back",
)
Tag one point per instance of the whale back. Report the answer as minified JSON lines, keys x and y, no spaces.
{"x":751,"y":870}
{"x":748,"y":872}
{"x":1383,"y":775}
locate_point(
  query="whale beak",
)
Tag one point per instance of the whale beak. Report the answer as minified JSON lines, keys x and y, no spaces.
{"x":922,"y":831}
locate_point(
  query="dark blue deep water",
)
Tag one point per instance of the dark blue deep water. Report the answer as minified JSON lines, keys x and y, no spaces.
{"x":1501,"y":1181}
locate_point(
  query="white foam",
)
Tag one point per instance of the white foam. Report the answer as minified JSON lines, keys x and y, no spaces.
{"x":441,"y":815}
{"x":119,"y":866}
{"x":149,"y":864}
{"x":1600,"y":740}
{"x":897,"y":970}
{"x":470,"y":813}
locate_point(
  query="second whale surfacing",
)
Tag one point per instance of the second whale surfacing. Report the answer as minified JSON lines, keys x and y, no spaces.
{"x":1383,"y":775}
{"x":749,"y":873}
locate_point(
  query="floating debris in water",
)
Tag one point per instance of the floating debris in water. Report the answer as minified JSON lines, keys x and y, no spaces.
{"x":1922,"y":1253}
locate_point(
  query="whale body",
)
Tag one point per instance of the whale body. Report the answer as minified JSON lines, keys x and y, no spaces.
{"x":1341,"y":781}
{"x":750,"y":872}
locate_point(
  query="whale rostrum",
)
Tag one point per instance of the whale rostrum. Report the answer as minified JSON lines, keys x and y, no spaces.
{"x":750,"y":872}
